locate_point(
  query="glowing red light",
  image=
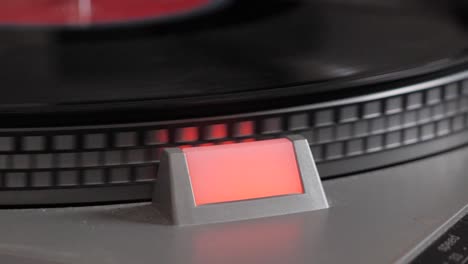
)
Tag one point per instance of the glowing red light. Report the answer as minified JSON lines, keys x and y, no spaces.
{"x":225,"y":173}
{"x":245,"y":128}
{"x":161,"y":136}
{"x":217,"y":131}
{"x":188,"y":134}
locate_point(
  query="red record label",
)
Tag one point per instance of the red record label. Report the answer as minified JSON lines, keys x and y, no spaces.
{"x":88,"y":12}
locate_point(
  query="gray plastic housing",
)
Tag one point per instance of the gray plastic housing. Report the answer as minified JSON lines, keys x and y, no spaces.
{"x":173,"y":194}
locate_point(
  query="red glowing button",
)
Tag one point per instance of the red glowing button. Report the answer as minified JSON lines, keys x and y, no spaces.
{"x":235,"y":172}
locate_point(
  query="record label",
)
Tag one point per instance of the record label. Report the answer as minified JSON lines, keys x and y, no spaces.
{"x":92,"y":12}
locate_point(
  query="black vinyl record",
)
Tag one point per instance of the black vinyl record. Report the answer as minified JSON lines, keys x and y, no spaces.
{"x":242,"y":51}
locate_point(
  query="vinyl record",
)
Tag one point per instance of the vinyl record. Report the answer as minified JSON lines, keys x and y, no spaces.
{"x":247,"y":55}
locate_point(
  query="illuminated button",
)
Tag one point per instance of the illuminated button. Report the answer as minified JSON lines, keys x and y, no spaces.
{"x":201,"y":185}
{"x":235,"y":172}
